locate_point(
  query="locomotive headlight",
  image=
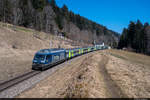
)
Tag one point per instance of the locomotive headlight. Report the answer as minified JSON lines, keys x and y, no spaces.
{"x":34,"y":61}
{"x":42,"y":61}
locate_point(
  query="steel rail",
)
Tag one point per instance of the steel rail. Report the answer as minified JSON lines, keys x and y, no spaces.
{"x":9,"y":83}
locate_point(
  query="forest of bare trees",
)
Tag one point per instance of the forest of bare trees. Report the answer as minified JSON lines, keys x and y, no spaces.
{"x":45,"y":15}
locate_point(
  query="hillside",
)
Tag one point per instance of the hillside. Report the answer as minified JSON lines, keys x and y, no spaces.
{"x":17,"y":48}
{"x":48,"y":17}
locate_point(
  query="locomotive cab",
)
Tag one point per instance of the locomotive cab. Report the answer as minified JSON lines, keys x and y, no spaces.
{"x":40,"y":61}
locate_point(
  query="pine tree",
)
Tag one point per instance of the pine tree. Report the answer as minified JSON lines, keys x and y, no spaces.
{"x":7,"y":11}
{"x":65,"y":12}
{"x":65,"y":9}
{"x":1,"y":10}
{"x":105,"y":30}
{"x":123,"y":42}
{"x":146,"y":24}
{"x":53,"y":3}
{"x":145,"y":39}
{"x":138,"y":37}
{"x":131,"y":34}
{"x":37,"y":4}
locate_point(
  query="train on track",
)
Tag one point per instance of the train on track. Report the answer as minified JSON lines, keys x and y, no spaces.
{"x":46,"y":58}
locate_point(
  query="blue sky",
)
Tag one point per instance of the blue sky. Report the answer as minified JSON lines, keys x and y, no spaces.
{"x":114,"y":14}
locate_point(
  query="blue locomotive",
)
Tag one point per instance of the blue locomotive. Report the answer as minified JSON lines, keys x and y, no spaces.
{"x":47,"y":58}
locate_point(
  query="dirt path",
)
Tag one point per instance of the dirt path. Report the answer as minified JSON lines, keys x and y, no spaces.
{"x":113,"y":91}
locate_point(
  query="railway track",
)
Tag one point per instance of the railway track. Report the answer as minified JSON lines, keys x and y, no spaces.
{"x":10,"y":83}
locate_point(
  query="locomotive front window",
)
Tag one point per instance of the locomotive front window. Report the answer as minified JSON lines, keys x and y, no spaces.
{"x":39,"y":57}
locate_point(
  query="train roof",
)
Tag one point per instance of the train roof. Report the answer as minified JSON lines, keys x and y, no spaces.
{"x":73,"y":48}
{"x":48,"y":51}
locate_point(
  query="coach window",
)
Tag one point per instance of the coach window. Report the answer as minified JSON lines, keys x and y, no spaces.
{"x":67,"y":53}
{"x":72,"y":52}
